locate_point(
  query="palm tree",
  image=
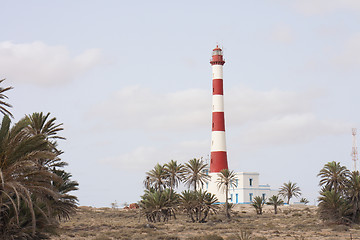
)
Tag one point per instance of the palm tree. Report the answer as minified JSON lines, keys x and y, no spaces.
{"x":175,"y":173}
{"x":66,"y":204}
{"x":206,"y":204}
{"x":158,"y":177}
{"x":226,"y":179}
{"x":23,"y":180}
{"x":39,"y":124}
{"x":289,"y":190}
{"x":3,"y":104}
{"x":147,"y":183}
{"x":333,"y":207}
{"x":275,"y":201}
{"x":304,"y":201}
{"x":188,"y":200}
{"x":159,"y":205}
{"x":333,"y":176}
{"x":33,"y":196}
{"x":258,"y":204}
{"x":194,"y":174}
{"x":353,"y":194}
{"x":198,"y":204}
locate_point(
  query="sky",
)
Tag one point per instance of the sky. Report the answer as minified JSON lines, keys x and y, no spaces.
{"x":131,"y":82}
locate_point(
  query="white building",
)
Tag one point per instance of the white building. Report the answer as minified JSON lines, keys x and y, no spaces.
{"x":247,"y":187}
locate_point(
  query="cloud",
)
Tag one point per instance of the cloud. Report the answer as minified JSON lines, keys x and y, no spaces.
{"x":290,"y":129}
{"x":41,"y":64}
{"x":138,"y":107}
{"x":247,"y":105}
{"x":260,"y":117}
{"x":320,"y":7}
{"x":283,"y":34}
{"x":349,"y":57}
{"x":143,"y":158}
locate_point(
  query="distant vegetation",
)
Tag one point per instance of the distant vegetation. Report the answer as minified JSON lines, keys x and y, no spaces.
{"x":160,"y":201}
{"x":34,"y":187}
{"x":339,"y":200}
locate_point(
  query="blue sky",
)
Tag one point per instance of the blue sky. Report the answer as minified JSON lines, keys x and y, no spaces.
{"x":131,"y":81}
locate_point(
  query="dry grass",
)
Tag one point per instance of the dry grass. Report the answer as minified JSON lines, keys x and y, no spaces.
{"x":293,"y":223}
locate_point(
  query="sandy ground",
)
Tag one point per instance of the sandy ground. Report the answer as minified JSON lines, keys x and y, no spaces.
{"x":292,"y":222}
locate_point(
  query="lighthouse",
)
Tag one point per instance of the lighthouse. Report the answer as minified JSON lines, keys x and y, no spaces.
{"x":246,"y":185}
{"x":218,"y":158}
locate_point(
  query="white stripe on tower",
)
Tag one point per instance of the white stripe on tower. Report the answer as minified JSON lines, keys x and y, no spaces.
{"x":218,"y":141}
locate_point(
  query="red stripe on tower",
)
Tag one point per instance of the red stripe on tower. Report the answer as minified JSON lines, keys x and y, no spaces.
{"x":218,"y":143}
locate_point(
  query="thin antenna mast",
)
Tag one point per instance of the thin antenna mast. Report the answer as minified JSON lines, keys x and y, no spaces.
{"x":354,"y":152}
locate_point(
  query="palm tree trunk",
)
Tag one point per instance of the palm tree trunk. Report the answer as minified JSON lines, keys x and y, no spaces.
{"x":191,"y":216}
{"x":171,"y":183}
{"x":275,"y":208}
{"x":200,"y":211}
{"x":354,"y":211}
{"x":197,"y":214}
{"x":205,"y":216}
{"x":227,"y":201}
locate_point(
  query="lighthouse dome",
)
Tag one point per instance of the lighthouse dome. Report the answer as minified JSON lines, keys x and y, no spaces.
{"x":217,"y":51}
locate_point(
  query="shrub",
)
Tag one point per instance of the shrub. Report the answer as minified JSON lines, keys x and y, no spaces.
{"x":243,"y":235}
{"x":198,"y":204}
{"x":258,"y":204}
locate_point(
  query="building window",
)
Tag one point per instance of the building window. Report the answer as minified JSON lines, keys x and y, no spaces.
{"x":251,"y":182}
{"x":231,"y":198}
{"x":237,"y":198}
{"x":251,"y":197}
{"x":263,"y":196}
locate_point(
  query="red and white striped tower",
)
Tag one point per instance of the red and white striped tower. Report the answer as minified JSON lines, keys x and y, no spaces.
{"x":218,"y":143}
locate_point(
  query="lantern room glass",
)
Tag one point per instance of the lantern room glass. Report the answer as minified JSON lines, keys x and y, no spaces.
{"x":217,"y":52}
